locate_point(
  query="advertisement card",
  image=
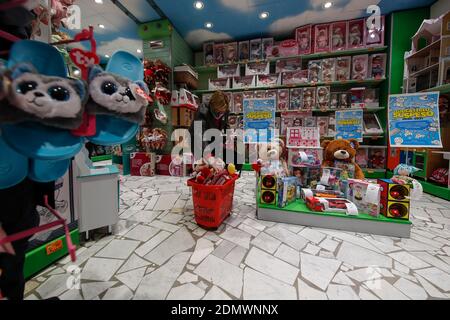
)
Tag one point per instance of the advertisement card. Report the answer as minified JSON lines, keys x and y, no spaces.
{"x":349,"y":125}
{"x":259,"y":120}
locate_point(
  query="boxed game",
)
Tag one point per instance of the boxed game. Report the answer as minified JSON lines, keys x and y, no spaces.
{"x":228,"y":71}
{"x":244,"y":50}
{"x":283,"y":100}
{"x":366,"y":196}
{"x":267,"y":43}
{"x":219,"y":84}
{"x":295,"y":77}
{"x":143,"y":164}
{"x":356,"y":34}
{"x":315,"y":70}
{"x":307,"y":177}
{"x":244,"y":82}
{"x":334,"y":100}
{"x":362,"y":157}
{"x":371,"y":98}
{"x":344,"y":100}
{"x":231,"y":52}
{"x":208,"y":53}
{"x":357,"y":97}
{"x":339,"y":36}
{"x":309,"y":98}
{"x":288,"y":65}
{"x":322,"y":123}
{"x":303,"y":35}
{"x":328,"y":70}
{"x":295,"y":99}
{"x":287,"y":191}
{"x":323,"y":98}
{"x":255,"y":49}
{"x":268,"y":80}
{"x":377,"y":157}
{"x":238,"y":102}
{"x":343,"y":68}
{"x":299,"y":157}
{"x":288,"y":48}
{"x":219,"y":53}
{"x":360,"y":67}
{"x":322,"y":38}
{"x":374,"y":35}
{"x":377,"y":66}
{"x":255,"y":68}
{"x":372,"y":125}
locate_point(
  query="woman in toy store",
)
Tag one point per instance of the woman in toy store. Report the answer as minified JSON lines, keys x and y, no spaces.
{"x":214,"y":116}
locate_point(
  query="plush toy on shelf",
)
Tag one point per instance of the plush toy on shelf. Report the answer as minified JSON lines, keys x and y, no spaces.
{"x":273,"y":158}
{"x":341,"y":153}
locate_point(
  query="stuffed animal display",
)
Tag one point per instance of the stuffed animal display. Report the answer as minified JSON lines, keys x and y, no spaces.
{"x":272,"y":158}
{"x":338,"y":152}
{"x":213,"y":171}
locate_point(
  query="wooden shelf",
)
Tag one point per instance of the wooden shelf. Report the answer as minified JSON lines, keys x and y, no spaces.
{"x":424,"y":70}
{"x":425,"y":51}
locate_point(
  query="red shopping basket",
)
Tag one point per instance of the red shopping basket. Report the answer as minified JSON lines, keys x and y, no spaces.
{"x":212,"y":204}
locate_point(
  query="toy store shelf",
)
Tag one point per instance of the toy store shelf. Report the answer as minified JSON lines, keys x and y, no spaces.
{"x":444,"y":89}
{"x":212,"y":68}
{"x":366,"y":136}
{"x":375,"y":173}
{"x":436,"y":190}
{"x":298,"y":213}
{"x":424,"y":70}
{"x":426,"y":50}
{"x":367,"y":82}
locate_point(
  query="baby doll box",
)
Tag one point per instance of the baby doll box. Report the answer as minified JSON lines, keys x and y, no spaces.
{"x":255,"y":68}
{"x":244,"y":82}
{"x":288,"y":48}
{"x":322,"y":38}
{"x":185,"y":74}
{"x":143,"y":164}
{"x":219,"y":84}
{"x":303,"y":35}
{"x":356,"y":34}
{"x":228,"y":71}
{"x":268,"y":80}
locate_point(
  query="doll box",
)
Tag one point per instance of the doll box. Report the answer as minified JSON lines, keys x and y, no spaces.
{"x":231,"y":52}
{"x":228,"y":71}
{"x":255,"y":68}
{"x":255,"y":49}
{"x":303,"y":35}
{"x":244,"y":50}
{"x":238,"y":102}
{"x":244,"y":82}
{"x":287,"y":191}
{"x":142,"y":164}
{"x":343,"y":68}
{"x":288,"y":48}
{"x":268,"y":80}
{"x":356,"y":34}
{"x":315,"y":70}
{"x":219,"y":53}
{"x":219,"y":84}
{"x":377,"y":66}
{"x":282,"y":99}
{"x":322,"y":38}
{"x":296,"y":159}
{"x":288,"y":65}
{"x":294,"y":77}
{"x":208,"y":53}
{"x":296,"y":99}
{"x":360,"y":65}
{"x":339,"y":36}
{"x":365,"y":195}
{"x":267,"y":44}
{"x":357,"y":97}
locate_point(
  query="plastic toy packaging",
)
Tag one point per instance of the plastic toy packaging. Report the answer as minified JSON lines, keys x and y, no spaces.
{"x":288,"y":65}
{"x":287,"y":191}
{"x":267,"y":80}
{"x":295,"y":77}
{"x":303,"y":37}
{"x":338,"y":36}
{"x":375,"y":34}
{"x":343,"y":68}
{"x":208,"y":53}
{"x":296,"y":98}
{"x":270,"y":94}
{"x":344,"y":100}
{"x":304,"y":157}
{"x":309,"y":98}
{"x":371,"y":98}
{"x":331,"y":178}
{"x":283,"y":99}
{"x":366,"y":196}
{"x":360,"y":67}
{"x":377,"y":66}
{"x":244,"y":50}
{"x":228,"y":71}
{"x":307,"y":177}
{"x":356,"y":33}
{"x":219,"y":53}
{"x":357,"y":97}
{"x":362,"y":158}
{"x":231,"y":52}
{"x":334,"y":100}
{"x":322,"y":38}
{"x":328,"y":70}
{"x":255,"y":49}
{"x":267,"y":43}
{"x":315,"y":71}
{"x":238,"y":102}
{"x":323,"y":97}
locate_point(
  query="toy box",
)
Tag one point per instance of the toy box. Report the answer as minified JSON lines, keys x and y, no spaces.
{"x":332,"y":126}
{"x":244,"y":82}
{"x":268,"y":186}
{"x":323,"y":98}
{"x":249,"y":94}
{"x":219,"y":84}
{"x":228,"y":71}
{"x":270,"y":94}
{"x":362,"y":157}
{"x":322,"y":123}
{"x":307,"y":177}
{"x":315,"y":70}
{"x":371,"y":98}
{"x":377,"y":66}
{"x":268,"y":80}
{"x":339,"y":36}
{"x":283,"y":99}
{"x":255,"y":68}
{"x":343,"y":68}
{"x":332,"y":205}
{"x":311,"y":157}
{"x":293,"y":119}
{"x":235,"y":121}
{"x":287,"y":191}
{"x":231,"y":52}
{"x":322,"y":38}
{"x":295,"y":99}
{"x":288,"y":48}
{"x":365,"y":195}
{"x":328,"y":70}
{"x":356,"y":34}
{"x":219,"y":53}
{"x":360,"y":67}
{"x":175,"y":98}
{"x":347,"y":169}
{"x":238,"y":102}
{"x":244,"y":50}
{"x":293,"y":78}
{"x":374,"y":36}
{"x":267,"y":43}
{"x":330,"y":178}
{"x":309,"y":98}
{"x":372,"y":125}
{"x":303,"y":35}
{"x":310,"y":121}
{"x":208,"y":53}
{"x":303,"y":137}
{"x":344,"y":100}
{"x":288,"y":65}
{"x":182,"y":116}
{"x":357,"y":97}
{"x":334,"y":100}
{"x":377,"y":157}
{"x":142,"y":164}
{"x":395,"y":201}
{"x":186,"y":98}
{"x":255,"y":49}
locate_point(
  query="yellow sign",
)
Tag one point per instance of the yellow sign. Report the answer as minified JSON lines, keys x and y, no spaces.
{"x":413,"y":113}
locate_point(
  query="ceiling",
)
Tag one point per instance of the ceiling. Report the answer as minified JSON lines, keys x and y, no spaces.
{"x":231,"y":19}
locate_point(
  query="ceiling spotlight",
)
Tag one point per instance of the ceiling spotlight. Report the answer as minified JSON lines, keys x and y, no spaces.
{"x":199,"y":5}
{"x":101,"y":26}
{"x":264,"y":15}
{"x":328,"y":5}
{"x":99,"y":1}
{"x":139,"y":51}
{"x":209,"y":25}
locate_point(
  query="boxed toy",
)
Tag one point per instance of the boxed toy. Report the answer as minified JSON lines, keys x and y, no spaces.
{"x":347,"y":169}
{"x":307,"y":177}
{"x":267,"y":43}
{"x":309,"y":121}
{"x":270,"y":94}
{"x":330,"y":178}
{"x":208,"y":53}
{"x":322,"y":38}
{"x":360,"y":67}
{"x":303,"y":35}
{"x":244,"y":50}
{"x":372,"y":124}
{"x":322,"y":123}
{"x":328,"y":70}
{"x":303,"y":137}
{"x":332,"y":126}
{"x":296,"y":77}
{"x":182,"y":116}
{"x":309,"y":98}
{"x":356,"y":34}
{"x":255,"y":68}
{"x":296,"y":98}
{"x":249,"y":94}
{"x":268,"y":80}
{"x":344,"y":100}
{"x":357,"y":97}
{"x":371,"y":98}
{"x":334,"y":100}
{"x":374,"y":35}
{"x":219,"y":84}
{"x":377,"y":158}
{"x":339,"y":36}
{"x":283,"y":100}
{"x":288,"y":65}
{"x":244,"y":82}
{"x":343,"y":68}
{"x":229,"y":96}
{"x":273,"y":51}
{"x":287,"y":191}
{"x":377,"y":66}
{"x":231,"y":52}
{"x":315,"y":70}
{"x":238,"y":102}
{"x":362,"y":157}
{"x":228,"y":71}
{"x":255,"y":49}
{"x":292,"y":119}
{"x":288,"y":48}
{"x":219,"y":53}
{"x":299,"y":157}
{"x":143,"y":164}
{"x":234,"y":121}
{"x":323,"y":98}
{"x":366,"y":196}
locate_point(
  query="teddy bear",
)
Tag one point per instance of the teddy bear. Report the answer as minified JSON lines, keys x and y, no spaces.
{"x":338,"y":152}
{"x":272,"y":158}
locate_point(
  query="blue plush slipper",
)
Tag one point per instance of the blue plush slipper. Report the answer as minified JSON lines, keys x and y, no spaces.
{"x":13,"y":166}
{"x":47,"y":171}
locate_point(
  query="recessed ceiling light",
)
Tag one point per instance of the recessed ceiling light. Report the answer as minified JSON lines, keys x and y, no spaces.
{"x":328,"y":5}
{"x":264,"y":15}
{"x":139,"y":51}
{"x":101,"y":26}
{"x":199,"y":5}
{"x":99,"y":1}
{"x":209,"y":25}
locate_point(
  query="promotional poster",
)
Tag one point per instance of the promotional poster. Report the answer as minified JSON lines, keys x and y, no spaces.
{"x":259,"y":120}
{"x":349,"y":124}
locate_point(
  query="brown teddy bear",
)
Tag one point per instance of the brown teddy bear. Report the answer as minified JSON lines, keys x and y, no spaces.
{"x":341,"y":151}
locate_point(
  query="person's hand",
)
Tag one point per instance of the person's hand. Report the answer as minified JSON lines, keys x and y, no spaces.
{"x":5,"y":248}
